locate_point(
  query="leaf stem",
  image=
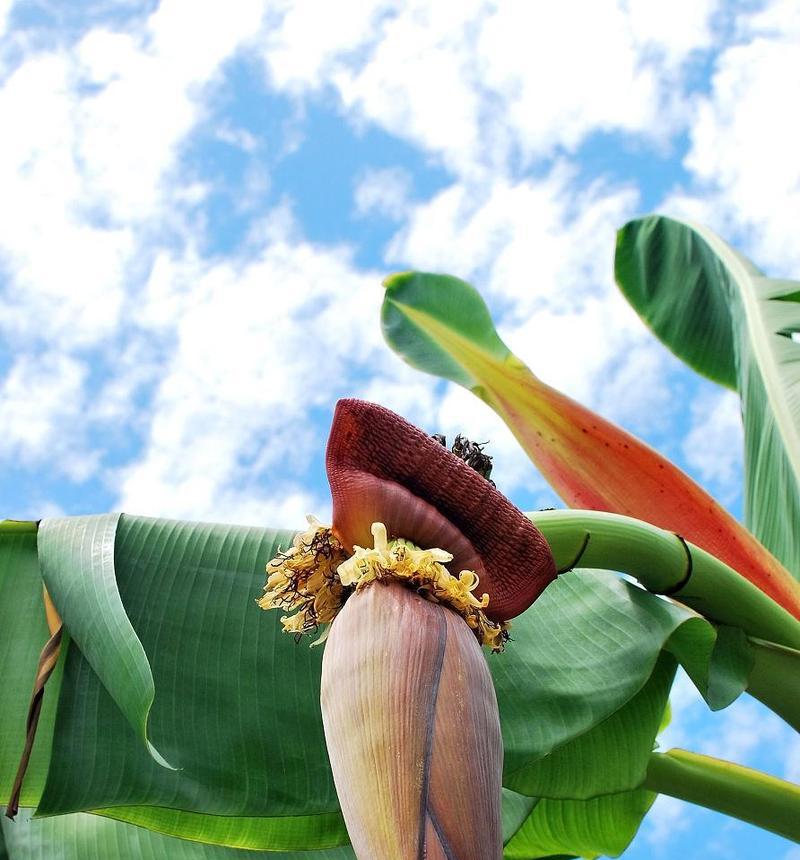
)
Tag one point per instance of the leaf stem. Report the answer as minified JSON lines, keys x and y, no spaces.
{"x":775,"y":679}
{"x":747,"y":794}
{"x":664,"y":563}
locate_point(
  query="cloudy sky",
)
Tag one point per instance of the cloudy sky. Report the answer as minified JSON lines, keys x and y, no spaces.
{"x":198,"y":203}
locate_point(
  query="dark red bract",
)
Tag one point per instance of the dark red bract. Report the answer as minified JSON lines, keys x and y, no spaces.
{"x":383,"y":469}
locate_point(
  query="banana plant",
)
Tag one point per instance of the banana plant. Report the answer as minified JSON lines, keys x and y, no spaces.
{"x":176,"y":705}
{"x":718,"y":312}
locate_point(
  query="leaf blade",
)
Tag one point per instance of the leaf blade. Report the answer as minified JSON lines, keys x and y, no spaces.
{"x":586,"y":828}
{"x":609,"y":758}
{"x":237,"y":701}
{"x":83,"y":836}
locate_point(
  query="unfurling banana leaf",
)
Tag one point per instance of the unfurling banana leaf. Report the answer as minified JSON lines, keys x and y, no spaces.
{"x":441,"y":325}
{"x":715,"y":310}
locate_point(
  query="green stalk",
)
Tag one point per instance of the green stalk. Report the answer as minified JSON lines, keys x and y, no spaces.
{"x":749,"y":795}
{"x":666,"y":564}
{"x":775,"y":679}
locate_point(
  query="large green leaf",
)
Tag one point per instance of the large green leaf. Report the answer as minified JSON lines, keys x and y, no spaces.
{"x":515,"y":808}
{"x":610,"y":757}
{"x":586,"y":669}
{"x":236,"y":705}
{"x":714,"y":309}
{"x":441,"y":325}
{"x":90,"y":837}
{"x":587,"y":828}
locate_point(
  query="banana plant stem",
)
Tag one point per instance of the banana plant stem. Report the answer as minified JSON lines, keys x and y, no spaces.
{"x":749,"y":795}
{"x":665,"y":563}
{"x":775,"y":679}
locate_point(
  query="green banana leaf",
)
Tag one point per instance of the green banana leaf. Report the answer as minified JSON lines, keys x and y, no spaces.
{"x":237,"y":701}
{"x":80,"y":836}
{"x":611,"y":756}
{"x":594,"y":659}
{"x":236,"y":706}
{"x":88,"y":837}
{"x":720,"y":314}
{"x":602,"y":826}
{"x":91,"y":837}
{"x":441,"y":325}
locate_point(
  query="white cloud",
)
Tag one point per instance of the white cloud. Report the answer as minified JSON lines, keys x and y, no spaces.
{"x":383,"y":192}
{"x":5,"y":11}
{"x":41,"y":404}
{"x":420,"y":79}
{"x":634,"y":388}
{"x":399,"y":387}
{"x":150,"y":95}
{"x":474,"y":81}
{"x":259,"y":344}
{"x":89,"y":187}
{"x":673,"y":30}
{"x":65,"y":273}
{"x":532,"y":240}
{"x":238,"y":137}
{"x":667,"y":817}
{"x":743,"y":153}
{"x":745,"y":730}
{"x":557,"y":82}
{"x":305,"y":39}
{"x":714,"y":444}
{"x":85,"y":174}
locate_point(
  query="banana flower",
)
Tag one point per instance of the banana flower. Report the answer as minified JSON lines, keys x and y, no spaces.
{"x":425,"y":562}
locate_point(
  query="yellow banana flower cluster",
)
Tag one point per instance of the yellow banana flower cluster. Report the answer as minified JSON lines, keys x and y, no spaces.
{"x":315,"y":578}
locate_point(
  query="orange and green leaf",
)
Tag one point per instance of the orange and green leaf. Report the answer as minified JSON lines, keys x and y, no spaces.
{"x":441,"y":325}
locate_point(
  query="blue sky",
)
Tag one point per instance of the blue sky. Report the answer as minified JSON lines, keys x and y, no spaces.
{"x":199,"y":202}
